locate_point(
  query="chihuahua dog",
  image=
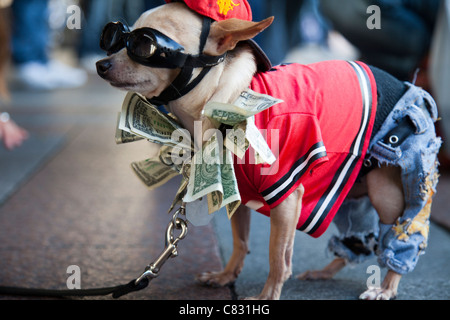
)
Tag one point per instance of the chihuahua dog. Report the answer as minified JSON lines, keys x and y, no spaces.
{"x":307,"y":192}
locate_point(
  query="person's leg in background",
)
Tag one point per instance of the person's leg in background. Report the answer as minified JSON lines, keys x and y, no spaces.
{"x":31,"y":42}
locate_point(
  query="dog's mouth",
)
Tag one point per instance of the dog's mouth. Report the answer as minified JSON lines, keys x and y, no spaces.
{"x":124,"y":85}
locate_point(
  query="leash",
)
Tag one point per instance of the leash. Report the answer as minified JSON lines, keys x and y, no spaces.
{"x":151,"y":271}
{"x":117,"y":291}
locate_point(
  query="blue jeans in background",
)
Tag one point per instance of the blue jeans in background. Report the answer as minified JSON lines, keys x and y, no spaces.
{"x":30,"y":31}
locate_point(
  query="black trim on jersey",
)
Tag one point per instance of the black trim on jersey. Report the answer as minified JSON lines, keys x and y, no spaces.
{"x":293,"y":175}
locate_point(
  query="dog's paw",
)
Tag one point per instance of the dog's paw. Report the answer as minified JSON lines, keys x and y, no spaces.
{"x":215,"y":279}
{"x":378,"y":294}
{"x":315,"y":275}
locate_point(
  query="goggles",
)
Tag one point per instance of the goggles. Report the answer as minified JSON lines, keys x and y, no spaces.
{"x":146,"y":46}
{"x":151,"y":48}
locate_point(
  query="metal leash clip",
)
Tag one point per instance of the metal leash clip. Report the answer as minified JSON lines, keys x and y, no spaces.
{"x":170,"y":251}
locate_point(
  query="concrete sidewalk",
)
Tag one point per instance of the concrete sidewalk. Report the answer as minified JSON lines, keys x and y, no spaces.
{"x":429,"y":281}
{"x":68,"y":197}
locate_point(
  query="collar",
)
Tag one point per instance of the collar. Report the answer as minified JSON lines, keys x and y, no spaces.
{"x":184,"y":83}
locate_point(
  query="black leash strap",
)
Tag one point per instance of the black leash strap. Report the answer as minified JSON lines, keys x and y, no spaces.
{"x":117,"y":291}
{"x":151,"y":271}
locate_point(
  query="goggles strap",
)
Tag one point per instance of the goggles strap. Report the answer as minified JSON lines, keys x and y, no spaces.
{"x":182,"y":85}
{"x":206,"y":27}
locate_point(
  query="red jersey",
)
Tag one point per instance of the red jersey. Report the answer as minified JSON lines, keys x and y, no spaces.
{"x":320,"y":135}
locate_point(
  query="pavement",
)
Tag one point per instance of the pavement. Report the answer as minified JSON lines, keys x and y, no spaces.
{"x":69,"y":197}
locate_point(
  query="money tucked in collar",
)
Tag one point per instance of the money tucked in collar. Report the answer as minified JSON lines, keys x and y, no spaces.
{"x":139,"y":119}
{"x":240,"y":115}
{"x":247,"y":105}
{"x":212,"y":171}
{"x":155,"y":172}
{"x":211,"y":177}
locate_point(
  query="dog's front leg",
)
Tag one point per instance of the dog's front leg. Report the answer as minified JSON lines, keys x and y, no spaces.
{"x":283,"y":224}
{"x":240,"y":226}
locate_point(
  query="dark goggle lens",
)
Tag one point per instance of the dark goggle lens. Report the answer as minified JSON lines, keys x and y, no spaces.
{"x":146,"y":46}
{"x":112,"y":38}
{"x":142,"y":45}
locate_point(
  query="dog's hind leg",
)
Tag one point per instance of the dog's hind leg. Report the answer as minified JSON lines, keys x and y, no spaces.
{"x":387,"y":197}
{"x":326,"y":273}
{"x":240,"y":225}
{"x":283,"y":223}
{"x":357,"y":224}
{"x":402,"y":189}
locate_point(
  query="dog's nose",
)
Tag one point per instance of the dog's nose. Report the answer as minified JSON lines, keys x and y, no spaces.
{"x":103,"y":66}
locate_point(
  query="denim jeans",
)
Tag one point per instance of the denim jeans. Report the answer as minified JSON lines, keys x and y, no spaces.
{"x":400,"y":245}
{"x":30,"y":32}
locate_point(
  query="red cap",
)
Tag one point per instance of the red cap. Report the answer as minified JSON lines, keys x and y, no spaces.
{"x":220,"y":9}
{"x":226,"y":9}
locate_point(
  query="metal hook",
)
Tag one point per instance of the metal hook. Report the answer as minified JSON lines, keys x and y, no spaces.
{"x":170,"y":251}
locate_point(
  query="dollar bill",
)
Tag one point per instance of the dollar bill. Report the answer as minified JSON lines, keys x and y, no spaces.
{"x":212,"y":176}
{"x":255,"y":102}
{"x":231,"y":208}
{"x":141,"y":118}
{"x":214,"y":200}
{"x":225,"y":113}
{"x":205,"y":174}
{"x":246,"y":134}
{"x":263,"y":154}
{"x":215,"y":203}
{"x":247,"y":105}
{"x":240,"y":116}
{"x":236,"y":140}
{"x":125,"y":136}
{"x":231,"y":195}
{"x":153,"y":173}
{"x":156,"y":171}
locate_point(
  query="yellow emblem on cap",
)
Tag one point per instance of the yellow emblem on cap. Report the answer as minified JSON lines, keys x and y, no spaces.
{"x":226,"y":5}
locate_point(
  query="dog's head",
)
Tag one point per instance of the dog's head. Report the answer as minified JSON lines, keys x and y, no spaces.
{"x":147,"y":58}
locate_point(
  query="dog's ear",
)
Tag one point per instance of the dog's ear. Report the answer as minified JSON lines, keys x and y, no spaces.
{"x":225,"y":34}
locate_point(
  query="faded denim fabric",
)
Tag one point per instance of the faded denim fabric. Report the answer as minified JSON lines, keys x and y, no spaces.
{"x":357,"y":223}
{"x":400,"y":245}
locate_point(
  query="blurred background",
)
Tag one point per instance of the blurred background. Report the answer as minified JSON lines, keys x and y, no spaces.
{"x":59,"y":166}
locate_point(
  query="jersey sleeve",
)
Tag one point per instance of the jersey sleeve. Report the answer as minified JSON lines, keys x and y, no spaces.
{"x":296,"y":141}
